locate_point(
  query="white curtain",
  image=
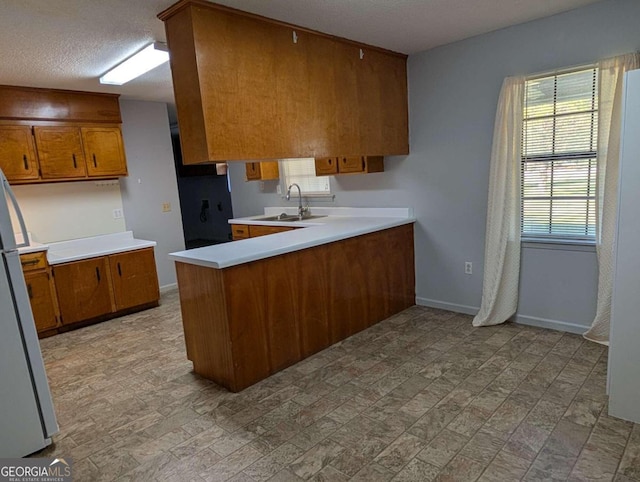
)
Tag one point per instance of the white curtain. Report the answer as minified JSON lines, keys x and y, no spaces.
{"x":609,"y":119}
{"x":502,"y":240}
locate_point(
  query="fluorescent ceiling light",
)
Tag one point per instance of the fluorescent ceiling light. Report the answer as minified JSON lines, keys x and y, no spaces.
{"x":146,"y":59}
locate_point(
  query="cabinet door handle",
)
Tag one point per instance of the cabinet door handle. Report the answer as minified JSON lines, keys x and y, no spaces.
{"x":29,"y":262}
{"x":26,"y":162}
{"x":95,"y":163}
{"x":75,"y":164}
{"x":329,"y":161}
{"x":363,"y":166}
{"x":119,"y":270}
{"x":98,"y":274}
{"x":30,"y":291}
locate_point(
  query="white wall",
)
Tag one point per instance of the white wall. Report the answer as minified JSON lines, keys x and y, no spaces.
{"x":69,"y":210}
{"x":453,"y":94}
{"x":151,"y":182}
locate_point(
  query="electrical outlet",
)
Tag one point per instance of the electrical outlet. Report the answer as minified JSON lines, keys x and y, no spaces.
{"x":166,"y":207}
{"x":468,"y":267}
{"x":117,"y":214}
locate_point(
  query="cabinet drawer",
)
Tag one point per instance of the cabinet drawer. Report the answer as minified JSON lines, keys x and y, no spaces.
{"x":239,"y":231}
{"x":33,"y":261}
{"x":257,"y":230}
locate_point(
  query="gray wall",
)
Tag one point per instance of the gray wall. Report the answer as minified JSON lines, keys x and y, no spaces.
{"x":151,"y":182}
{"x":453,"y":93}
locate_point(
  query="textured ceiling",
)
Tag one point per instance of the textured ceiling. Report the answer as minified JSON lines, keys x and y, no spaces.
{"x":68,"y":44}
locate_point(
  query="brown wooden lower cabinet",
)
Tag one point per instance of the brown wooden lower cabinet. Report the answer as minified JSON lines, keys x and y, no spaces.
{"x":42,"y":297}
{"x":107,"y":286}
{"x":244,"y":231}
{"x":239,"y":231}
{"x":246,"y":322}
{"x":134,"y":278}
{"x":41,"y":291}
{"x":84,"y":290}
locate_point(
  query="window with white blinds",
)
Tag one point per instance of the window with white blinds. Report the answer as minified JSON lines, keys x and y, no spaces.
{"x":303,"y":172}
{"x":559,"y":146}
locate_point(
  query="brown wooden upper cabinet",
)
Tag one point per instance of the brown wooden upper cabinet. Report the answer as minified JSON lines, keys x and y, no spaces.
{"x":71,"y":152}
{"x":262,"y":171}
{"x":60,"y":152}
{"x":56,"y":135}
{"x":18,"y":158}
{"x":104,"y":151}
{"x":250,"y":88}
{"x":331,"y":166}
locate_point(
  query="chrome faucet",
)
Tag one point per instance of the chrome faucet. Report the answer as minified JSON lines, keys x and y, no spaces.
{"x":301,"y":210}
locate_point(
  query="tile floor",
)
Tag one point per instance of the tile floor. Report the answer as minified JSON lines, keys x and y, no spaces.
{"x":421,"y":396}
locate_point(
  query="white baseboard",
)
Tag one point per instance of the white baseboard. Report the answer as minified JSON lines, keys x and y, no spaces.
{"x":443,"y":305}
{"x":170,"y":287}
{"x":522,"y":319}
{"x":552,"y":324}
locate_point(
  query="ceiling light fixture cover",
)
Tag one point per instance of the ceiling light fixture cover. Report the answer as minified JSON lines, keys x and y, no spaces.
{"x":146,"y":59}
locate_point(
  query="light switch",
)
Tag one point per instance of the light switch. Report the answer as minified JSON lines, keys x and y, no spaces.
{"x":117,"y":214}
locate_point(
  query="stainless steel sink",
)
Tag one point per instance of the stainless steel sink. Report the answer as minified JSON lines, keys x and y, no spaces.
{"x":287,"y":218}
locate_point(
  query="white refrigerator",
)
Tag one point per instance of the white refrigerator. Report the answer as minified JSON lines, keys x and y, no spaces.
{"x":27,"y":417}
{"x":624,"y":344}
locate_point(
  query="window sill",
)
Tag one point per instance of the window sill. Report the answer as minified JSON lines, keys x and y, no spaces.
{"x":559,"y":244}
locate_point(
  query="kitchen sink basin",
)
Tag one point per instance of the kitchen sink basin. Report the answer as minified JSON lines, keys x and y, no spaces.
{"x":288,"y":218}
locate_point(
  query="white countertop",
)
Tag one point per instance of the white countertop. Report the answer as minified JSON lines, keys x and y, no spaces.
{"x":84,"y":248}
{"x":33,"y":246}
{"x":339,"y":223}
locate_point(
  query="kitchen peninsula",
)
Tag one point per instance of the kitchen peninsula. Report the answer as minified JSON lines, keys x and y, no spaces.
{"x":253,"y":307}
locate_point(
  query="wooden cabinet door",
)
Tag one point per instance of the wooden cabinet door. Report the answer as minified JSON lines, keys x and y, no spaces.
{"x":269,"y":170}
{"x":83,"y":288}
{"x":382,"y":104}
{"x":256,"y":230}
{"x":351,"y":164}
{"x":135,"y":281}
{"x":41,"y":296}
{"x":253,"y":171}
{"x":326,"y":166}
{"x":60,"y":152}
{"x":239,"y":231}
{"x":104,"y":151}
{"x":17,"y":153}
